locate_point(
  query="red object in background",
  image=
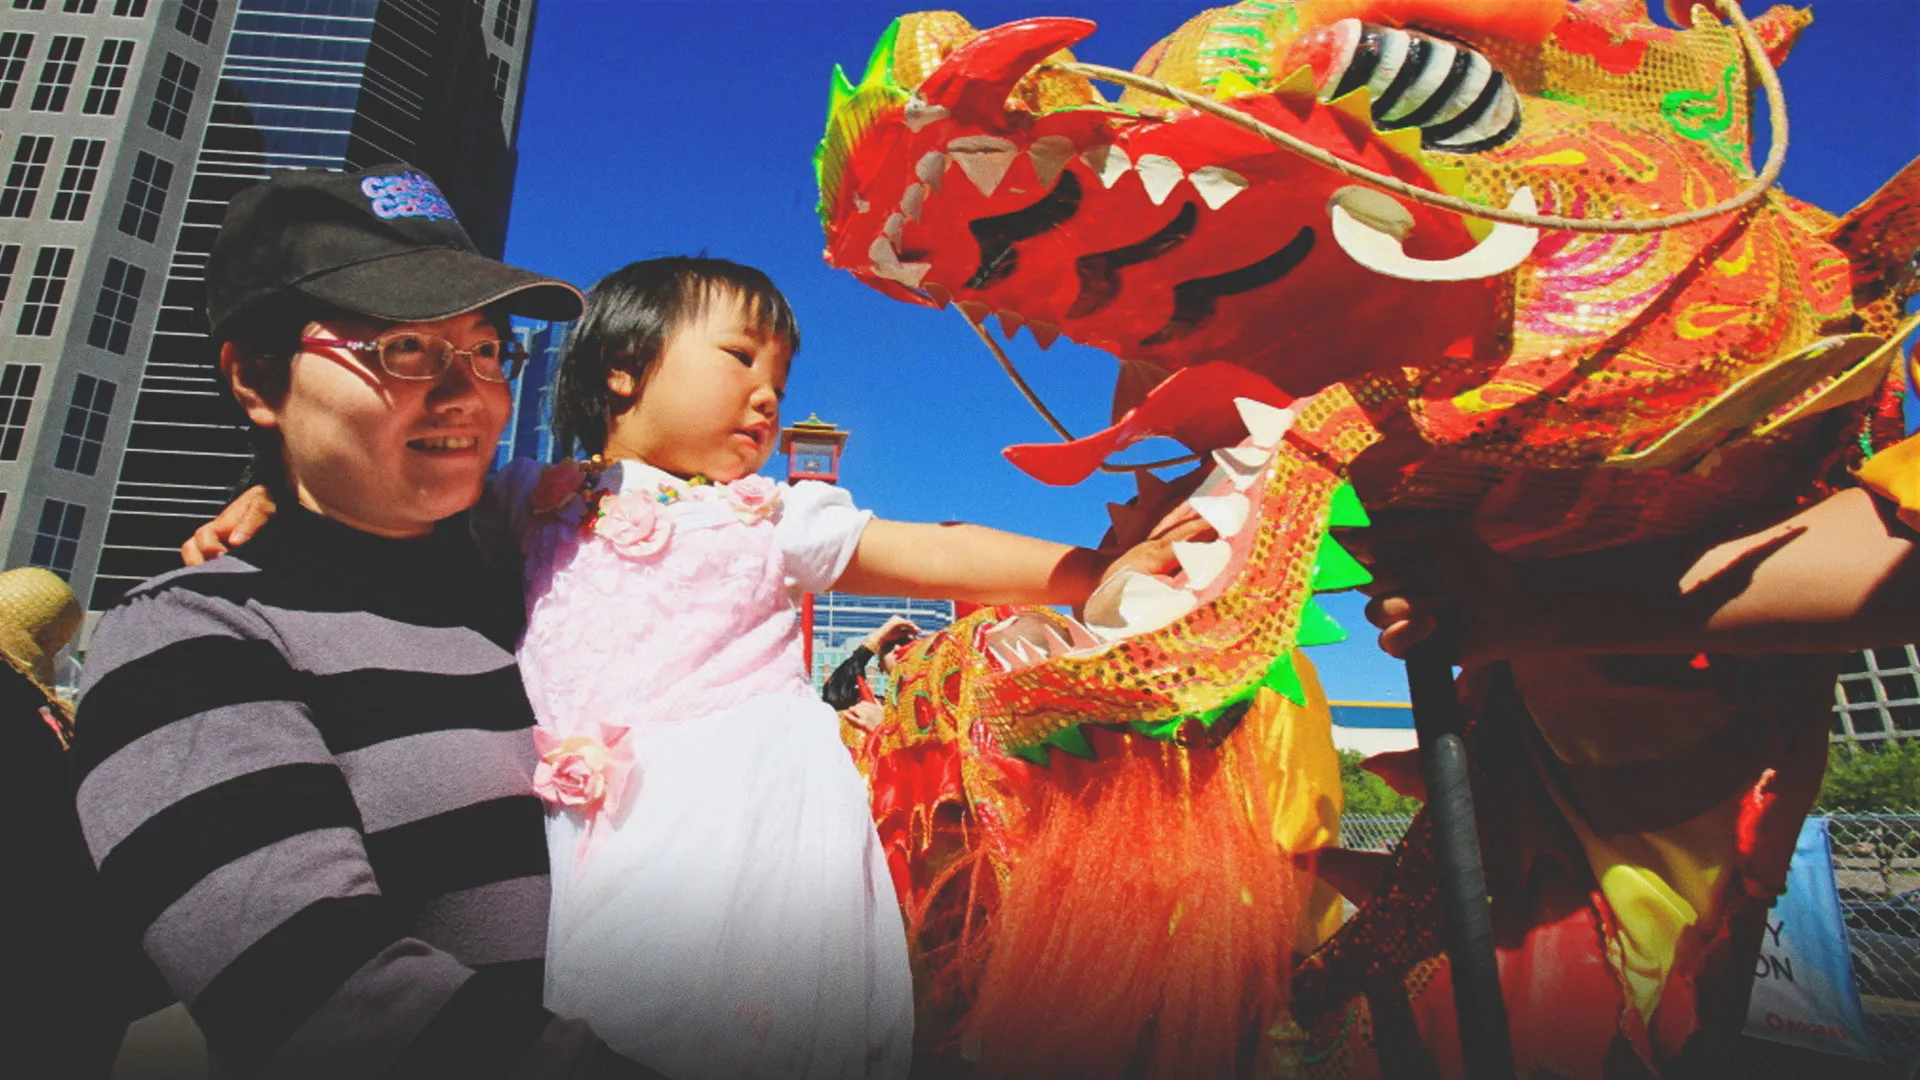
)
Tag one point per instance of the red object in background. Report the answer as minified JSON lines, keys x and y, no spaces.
{"x":813,"y":449}
{"x":806,"y":632}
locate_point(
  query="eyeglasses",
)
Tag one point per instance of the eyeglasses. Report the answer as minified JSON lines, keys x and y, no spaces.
{"x":409,"y":354}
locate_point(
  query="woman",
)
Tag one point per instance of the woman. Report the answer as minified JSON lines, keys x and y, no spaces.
{"x":307,"y":769}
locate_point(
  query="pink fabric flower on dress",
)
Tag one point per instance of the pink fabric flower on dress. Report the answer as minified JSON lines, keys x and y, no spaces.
{"x":559,"y":485}
{"x":755,"y":498}
{"x":585,"y":772}
{"x":634,"y":524}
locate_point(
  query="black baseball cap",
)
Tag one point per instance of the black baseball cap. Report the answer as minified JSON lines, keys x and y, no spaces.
{"x":381,"y":242}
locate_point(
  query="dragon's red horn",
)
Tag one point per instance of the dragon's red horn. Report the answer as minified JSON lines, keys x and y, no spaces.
{"x":973,"y":83}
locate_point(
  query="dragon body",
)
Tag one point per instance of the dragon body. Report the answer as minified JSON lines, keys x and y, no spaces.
{"x":1326,"y":346}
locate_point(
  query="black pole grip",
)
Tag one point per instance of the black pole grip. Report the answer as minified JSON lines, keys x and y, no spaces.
{"x":1486,"y":1050}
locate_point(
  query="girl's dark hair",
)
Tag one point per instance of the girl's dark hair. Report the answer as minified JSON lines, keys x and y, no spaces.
{"x":272,"y":333}
{"x":630,"y":317}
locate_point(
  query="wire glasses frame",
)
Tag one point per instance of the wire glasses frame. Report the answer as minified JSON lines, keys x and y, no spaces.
{"x":410,"y":354}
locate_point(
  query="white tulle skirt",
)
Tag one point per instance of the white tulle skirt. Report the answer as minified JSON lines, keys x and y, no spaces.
{"x":737,"y":920}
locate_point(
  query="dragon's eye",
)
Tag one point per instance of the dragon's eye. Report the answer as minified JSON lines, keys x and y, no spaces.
{"x":1457,"y":99}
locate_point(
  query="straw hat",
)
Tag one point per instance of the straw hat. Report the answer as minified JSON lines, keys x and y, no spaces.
{"x":38,"y":616}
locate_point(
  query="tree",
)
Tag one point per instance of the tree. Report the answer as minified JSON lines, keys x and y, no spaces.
{"x":1877,"y":777}
{"x":1368,"y":794}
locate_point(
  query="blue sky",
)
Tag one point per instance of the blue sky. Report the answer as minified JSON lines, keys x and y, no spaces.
{"x":654,"y":127}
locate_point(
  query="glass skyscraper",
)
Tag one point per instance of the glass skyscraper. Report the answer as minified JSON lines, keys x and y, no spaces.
{"x":338,"y":84}
{"x":841,"y":620}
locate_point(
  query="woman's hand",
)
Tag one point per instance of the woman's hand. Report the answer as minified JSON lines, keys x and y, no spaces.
{"x":234,"y":526}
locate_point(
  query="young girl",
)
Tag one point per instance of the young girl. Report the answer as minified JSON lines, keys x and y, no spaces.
{"x":721,"y":904}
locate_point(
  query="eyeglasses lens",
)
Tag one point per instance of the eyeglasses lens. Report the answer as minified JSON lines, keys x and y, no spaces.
{"x":423,"y":356}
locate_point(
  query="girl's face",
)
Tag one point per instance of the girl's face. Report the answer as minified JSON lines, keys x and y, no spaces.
{"x":709,"y":405}
{"x":384,"y":455}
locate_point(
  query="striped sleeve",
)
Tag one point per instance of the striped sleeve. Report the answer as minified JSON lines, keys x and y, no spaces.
{"x":227,"y":836}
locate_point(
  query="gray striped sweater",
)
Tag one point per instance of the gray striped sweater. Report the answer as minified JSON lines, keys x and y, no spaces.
{"x":306,"y":776}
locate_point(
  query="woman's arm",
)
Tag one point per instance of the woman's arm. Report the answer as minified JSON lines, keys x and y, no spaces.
{"x":228,"y":838}
{"x":1837,"y":576}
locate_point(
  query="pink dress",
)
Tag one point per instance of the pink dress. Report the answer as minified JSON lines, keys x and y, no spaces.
{"x":732,"y":915}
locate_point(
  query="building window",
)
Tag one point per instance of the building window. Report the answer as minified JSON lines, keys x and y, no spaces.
{"x":506,"y":20}
{"x":86,"y":426}
{"x":57,"y":540}
{"x":76,"y":180}
{"x":113,"y":313}
{"x":501,"y":73}
{"x":9,"y":258}
{"x":17,"y":384}
{"x":56,"y":74}
{"x":23,"y":179}
{"x":13,"y":64}
{"x":130,"y":9}
{"x":109,"y":75}
{"x":79,"y":7}
{"x":29,"y":5}
{"x":44,"y":290}
{"x":146,"y":196}
{"x":173,"y":98}
{"x":196,"y":19}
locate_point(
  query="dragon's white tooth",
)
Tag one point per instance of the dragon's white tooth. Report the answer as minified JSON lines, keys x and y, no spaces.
{"x":913,"y":200}
{"x":1266,"y":423}
{"x":1010,"y":323}
{"x":1160,"y":175}
{"x":919,"y":114}
{"x":1044,"y":334}
{"x":1109,"y":164}
{"x":1149,"y":603}
{"x":891,"y":230}
{"x":984,"y":158}
{"x":1504,"y":248}
{"x":1226,"y":513}
{"x":887,"y":264}
{"x":1241,"y":464}
{"x":1202,"y":562}
{"x":985,"y":170}
{"x":930,"y":169}
{"x":1217,"y":186}
{"x":1050,"y":154}
{"x":1057,"y":645}
{"x":1000,"y":659}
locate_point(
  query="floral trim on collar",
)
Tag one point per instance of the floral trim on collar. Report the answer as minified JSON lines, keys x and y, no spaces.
{"x":636,"y":522}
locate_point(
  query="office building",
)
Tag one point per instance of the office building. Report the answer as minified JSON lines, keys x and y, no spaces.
{"x":529,"y":431}
{"x":125,"y":126}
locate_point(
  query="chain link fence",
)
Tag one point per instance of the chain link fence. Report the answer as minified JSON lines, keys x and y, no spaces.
{"x":1876,"y":868}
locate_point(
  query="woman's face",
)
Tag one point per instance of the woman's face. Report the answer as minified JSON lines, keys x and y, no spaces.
{"x":384,"y":455}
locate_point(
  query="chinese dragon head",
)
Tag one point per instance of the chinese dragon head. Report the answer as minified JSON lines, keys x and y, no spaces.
{"x":1323,"y":344}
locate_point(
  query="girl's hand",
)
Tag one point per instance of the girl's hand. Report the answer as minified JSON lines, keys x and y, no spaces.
{"x":1154,"y":555}
{"x":234,"y":526}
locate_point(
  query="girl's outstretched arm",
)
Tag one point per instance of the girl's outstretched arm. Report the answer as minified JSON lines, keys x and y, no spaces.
{"x":956,"y":561}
